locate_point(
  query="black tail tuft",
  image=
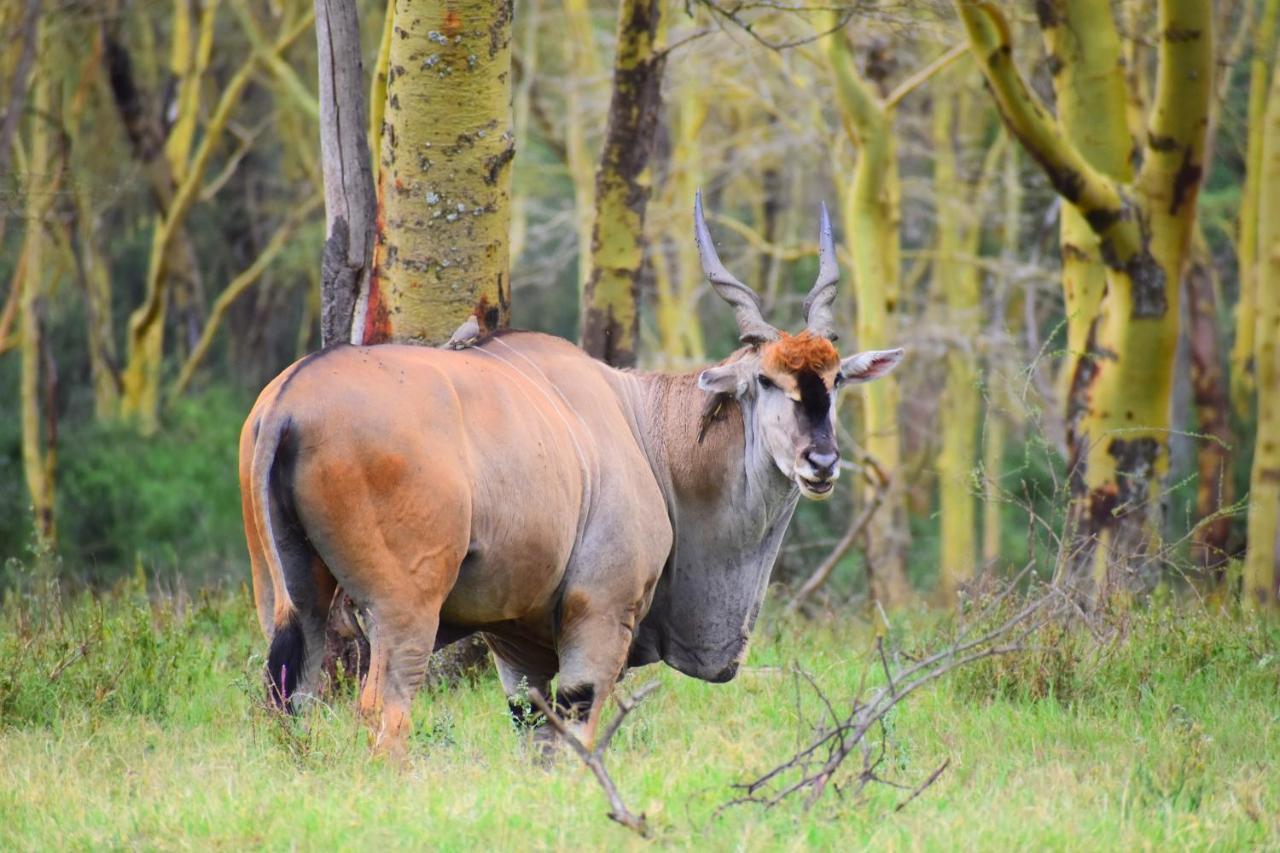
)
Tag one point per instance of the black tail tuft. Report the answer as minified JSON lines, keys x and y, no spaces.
{"x":284,"y":662}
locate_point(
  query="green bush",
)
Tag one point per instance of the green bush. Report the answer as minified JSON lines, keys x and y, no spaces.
{"x":169,"y":502}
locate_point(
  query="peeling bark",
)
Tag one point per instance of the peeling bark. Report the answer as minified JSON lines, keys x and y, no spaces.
{"x":349,"y":200}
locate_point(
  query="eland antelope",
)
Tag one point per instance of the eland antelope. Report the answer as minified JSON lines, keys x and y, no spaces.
{"x":583,"y":519}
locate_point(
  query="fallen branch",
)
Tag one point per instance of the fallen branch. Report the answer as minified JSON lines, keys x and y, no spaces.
{"x":814,"y":765}
{"x":594,"y":757}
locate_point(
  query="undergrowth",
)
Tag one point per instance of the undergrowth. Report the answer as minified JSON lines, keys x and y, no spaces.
{"x":135,"y":717}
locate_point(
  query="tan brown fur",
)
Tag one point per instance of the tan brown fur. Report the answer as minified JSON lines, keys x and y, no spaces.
{"x":697,"y":442}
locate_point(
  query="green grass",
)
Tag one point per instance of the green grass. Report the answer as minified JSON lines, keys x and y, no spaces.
{"x":151,"y":734}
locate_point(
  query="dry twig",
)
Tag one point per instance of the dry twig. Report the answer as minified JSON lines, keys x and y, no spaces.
{"x":594,"y":757}
{"x":815,"y":764}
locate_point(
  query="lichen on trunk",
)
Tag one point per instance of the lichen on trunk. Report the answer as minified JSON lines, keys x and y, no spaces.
{"x":444,"y":181}
{"x":610,"y":319}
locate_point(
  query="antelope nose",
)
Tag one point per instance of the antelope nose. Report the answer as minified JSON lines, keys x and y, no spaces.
{"x":823,"y":462}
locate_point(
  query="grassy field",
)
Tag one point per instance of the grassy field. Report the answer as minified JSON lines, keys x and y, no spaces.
{"x":130,"y":723}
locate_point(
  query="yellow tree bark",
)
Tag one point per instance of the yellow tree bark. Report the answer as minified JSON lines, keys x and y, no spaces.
{"x":1123,"y":385}
{"x":378,"y":89}
{"x":43,"y":178}
{"x":1085,"y":57}
{"x":995,"y":427}
{"x":610,"y":310}
{"x":94,"y":263}
{"x":1247,"y":260}
{"x":1206,"y":365}
{"x":584,"y":68}
{"x":444,"y":183}
{"x":957,"y":121}
{"x":190,"y":48}
{"x":140,"y":399}
{"x":871,"y":213}
{"x":1262,"y":562}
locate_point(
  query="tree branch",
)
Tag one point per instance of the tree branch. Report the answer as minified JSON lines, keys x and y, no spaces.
{"x":239,"y":285}
{"x":906,"y":87}
{"x":1098,"y":198}
{"x":594,"y":757}
{"x":1173,"y":165}
{"x":827,"y":566}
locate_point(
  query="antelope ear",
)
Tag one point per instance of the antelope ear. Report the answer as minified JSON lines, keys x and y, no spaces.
{"x":724,"y":379}
{"x":869,"y":365}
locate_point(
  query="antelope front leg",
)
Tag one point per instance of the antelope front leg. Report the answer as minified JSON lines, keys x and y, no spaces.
{"x":593,"y":651}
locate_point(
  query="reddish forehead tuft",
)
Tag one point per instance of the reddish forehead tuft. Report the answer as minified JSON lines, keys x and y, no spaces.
{"x":805,"y":351}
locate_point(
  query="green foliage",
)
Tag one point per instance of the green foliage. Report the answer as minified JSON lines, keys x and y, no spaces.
{"x":170,"y":501}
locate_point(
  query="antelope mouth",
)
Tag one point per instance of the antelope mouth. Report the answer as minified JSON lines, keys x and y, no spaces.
{"x":815,"y":488}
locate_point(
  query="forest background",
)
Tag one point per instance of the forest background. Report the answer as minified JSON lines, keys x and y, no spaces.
{"x":163,"y":225}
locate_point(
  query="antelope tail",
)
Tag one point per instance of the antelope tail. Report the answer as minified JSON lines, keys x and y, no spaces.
{"x":288,"y":654}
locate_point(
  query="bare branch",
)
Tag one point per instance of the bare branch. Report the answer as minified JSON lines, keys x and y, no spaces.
{"x":906,"y":87}
{"x":815,"y":765}
{"x":933,"y":777}
{"x":594,"y":757}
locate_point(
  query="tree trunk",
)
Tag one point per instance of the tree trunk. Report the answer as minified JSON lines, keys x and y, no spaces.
{"x":1122,"y":386}
{"x":521,"y":107}
{"x":996,"y":426}
{"x":172,"y":257}
{"x":349,"y":201}
{"x":18,"y":85}
{"x":1209,"y":395}
{"x":377,"y":87}
{"x":441,"y":213}
{"x":1083,"y":45}
{"x":584,"y":67}
{"x":1247,"y":259}
{"x":444,"y":183}
{"x":610,"y":301}
{"x":871,"y":219}
{"x":100,"y":331}
{"x":1262,"y":563}
{"x":43,"y":177}
{"x":956,"y":281}
{"x":185,"y":169}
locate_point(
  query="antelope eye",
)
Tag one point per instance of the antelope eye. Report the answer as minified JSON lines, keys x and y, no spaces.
{"x":766,"y":382}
